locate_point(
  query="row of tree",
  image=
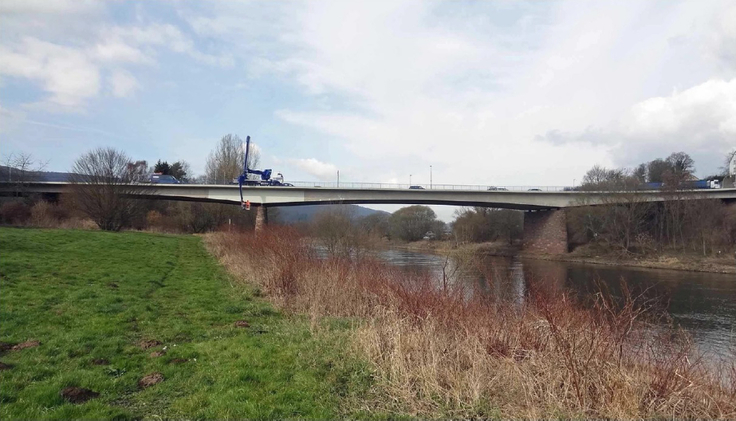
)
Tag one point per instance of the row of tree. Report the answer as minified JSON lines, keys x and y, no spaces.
{"x":641,"y":227}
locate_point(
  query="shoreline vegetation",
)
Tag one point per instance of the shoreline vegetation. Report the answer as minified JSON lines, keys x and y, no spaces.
{"x":680,"y":262}
{"x":256,"y":325}
{"x":438,"y":351}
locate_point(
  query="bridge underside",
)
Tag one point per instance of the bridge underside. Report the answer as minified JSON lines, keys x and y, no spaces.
{"x":545,"y":228}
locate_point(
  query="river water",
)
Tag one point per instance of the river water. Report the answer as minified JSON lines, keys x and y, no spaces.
{"x":704,"y":304}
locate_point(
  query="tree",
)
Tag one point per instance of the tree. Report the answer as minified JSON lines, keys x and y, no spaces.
{"x":657,"y":170}
{"x":102,"y":188}
{"x":337,"y":231}
{"x":376,"y":224}
{"x":727,"y":169}
{"x":640,"y":173}
{"x":481,"y":224}
{"x":180,"y":170}
{"x":601,"y":178}
{"x":681,"y":166}
{"x":138,"y":171}
{"x":162,"y":168}
{"x":225,"y":162}
{"x":21,"y":168}
{"x":411,"y":223}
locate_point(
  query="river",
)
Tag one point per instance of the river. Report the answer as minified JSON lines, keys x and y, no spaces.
{"x":704,"y":304}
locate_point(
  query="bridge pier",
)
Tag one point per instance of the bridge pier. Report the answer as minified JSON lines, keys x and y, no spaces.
{"x":261,"y":218}
{"x":545,"y":232}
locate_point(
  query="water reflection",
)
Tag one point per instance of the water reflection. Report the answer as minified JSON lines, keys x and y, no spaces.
{"x":702,"y":303}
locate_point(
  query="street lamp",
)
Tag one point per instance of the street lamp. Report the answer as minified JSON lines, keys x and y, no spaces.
{"x":430,"y":176}
{"x":410,"y":179}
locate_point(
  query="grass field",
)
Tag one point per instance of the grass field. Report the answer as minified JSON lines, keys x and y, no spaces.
{"x":101,"y":304}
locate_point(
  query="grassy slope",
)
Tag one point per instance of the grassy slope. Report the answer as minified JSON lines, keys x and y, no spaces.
{"x":89,"y":295}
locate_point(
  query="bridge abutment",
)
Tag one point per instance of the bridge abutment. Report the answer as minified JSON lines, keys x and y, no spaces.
{"x":545,"y":232}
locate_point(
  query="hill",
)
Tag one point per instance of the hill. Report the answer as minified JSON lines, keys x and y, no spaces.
{"x":306,"y":213}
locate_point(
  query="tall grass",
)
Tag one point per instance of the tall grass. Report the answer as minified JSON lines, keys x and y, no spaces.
{"x":440,"y":351}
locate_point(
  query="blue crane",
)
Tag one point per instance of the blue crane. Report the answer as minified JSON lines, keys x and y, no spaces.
{"x":265,"y":179}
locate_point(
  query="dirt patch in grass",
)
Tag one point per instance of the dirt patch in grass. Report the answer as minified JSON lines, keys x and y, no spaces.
{"x":242,"y":323}
{"x":78,"y":394}
{"x":26,"y":344}
{"x":150,"y":380}
{"x":4,"y":366}
{"x":156,"y":354}
{"x":100,"y":361}
{"x":6,"y":346}
{"x":178,"y":361}
{"x":149,"y":343}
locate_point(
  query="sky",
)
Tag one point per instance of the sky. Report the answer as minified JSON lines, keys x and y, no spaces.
{"x":506,"y":93}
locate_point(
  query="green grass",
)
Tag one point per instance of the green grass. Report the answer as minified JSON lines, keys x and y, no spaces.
{"x":88,"y":295}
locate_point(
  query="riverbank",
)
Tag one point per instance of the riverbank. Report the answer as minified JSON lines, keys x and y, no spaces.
{"x":680,"y":262}
{"x":439,"y":353}
{"x":132,"y":325}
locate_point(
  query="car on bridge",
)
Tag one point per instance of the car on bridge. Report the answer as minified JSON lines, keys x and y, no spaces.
{"x":163,"y":179}
{"x":416,"y":187}
{"x":494,"y":188}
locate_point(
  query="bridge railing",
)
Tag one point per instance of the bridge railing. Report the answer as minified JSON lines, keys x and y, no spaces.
{"x":434,"y":186}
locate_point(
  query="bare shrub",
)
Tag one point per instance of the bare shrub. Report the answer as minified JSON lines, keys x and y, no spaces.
{"x":103,"y":190}
{"x":45,"y":215}
{"x":15,"y":213}
{"x":440,"y":351}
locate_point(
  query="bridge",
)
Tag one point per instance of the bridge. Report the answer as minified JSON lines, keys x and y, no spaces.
{"x":545,"y":227}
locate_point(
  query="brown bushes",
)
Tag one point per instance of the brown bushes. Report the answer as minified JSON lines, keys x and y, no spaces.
{"x":441,"y":351}
{"x":42,"y":214}
{"x":15,"y":212}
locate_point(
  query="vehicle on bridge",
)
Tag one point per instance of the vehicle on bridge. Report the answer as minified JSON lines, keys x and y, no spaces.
{"x":685,"y":185}
{"x":158,"y":178}
{"x":265,"y":175}
{"x":265,"y":180}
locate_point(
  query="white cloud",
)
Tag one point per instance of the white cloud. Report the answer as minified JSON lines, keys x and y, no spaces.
{"x":123,"y":83}
{"x":65,"y":47}
{"x":66,"y":73}
{"x":48,"y":7}
{"x":321,"y":170}
{"x":700,"y":120}
{"x":474,"y":99}
{"x":162,"y":35}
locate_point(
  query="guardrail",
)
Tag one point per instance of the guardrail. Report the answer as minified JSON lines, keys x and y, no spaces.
{"x":470,"y":187}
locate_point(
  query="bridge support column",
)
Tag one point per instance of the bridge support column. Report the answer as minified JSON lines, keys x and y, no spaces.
{"x":261,"y":217}
{"x":545,"y":232}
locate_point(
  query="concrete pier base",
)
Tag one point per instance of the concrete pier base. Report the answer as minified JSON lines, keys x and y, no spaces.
{"x":545,"y":232}
{"x":261,"y":217}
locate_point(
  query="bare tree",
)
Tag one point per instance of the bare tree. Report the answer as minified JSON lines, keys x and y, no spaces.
{"x":600,"y":178}
{"x":682,"y":166}
{"x":225,"y":162}
{"x":138,"y":171}
{"x":103,"y":190}
{"x":727,"y":164}
{"x":21,"y":168}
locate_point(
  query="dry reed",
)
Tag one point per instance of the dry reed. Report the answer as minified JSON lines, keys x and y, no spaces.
{"x":439,"y":351}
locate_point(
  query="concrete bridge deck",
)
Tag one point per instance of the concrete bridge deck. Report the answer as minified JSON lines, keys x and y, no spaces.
{"x":294,"y":196}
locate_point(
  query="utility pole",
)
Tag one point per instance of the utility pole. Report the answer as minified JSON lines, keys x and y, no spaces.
{"x":338,"y":178}
{"x":409,"y":179}
{"x":430,"y":177}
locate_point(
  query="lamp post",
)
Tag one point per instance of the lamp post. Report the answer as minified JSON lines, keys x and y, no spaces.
{"x":430,"y":176}
{"x":409,"y":179}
